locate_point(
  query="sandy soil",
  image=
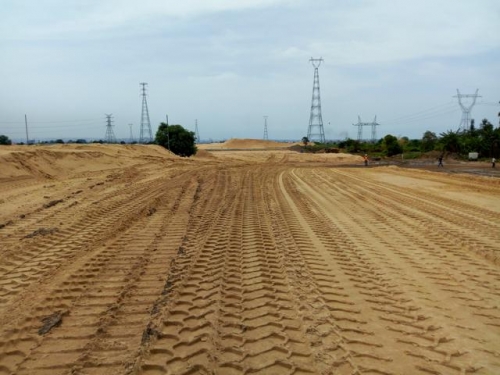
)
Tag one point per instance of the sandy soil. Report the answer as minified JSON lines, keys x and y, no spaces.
{"x":130,"y":260}
{"x":236,"y":143}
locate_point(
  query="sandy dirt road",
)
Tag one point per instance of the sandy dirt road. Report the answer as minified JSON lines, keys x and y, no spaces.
{"x":243,"y":263}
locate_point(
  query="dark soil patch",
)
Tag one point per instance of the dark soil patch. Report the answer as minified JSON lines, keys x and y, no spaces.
{"x":52,"y":203}
{"x":51,"y":321}
{"x":42,"y":232}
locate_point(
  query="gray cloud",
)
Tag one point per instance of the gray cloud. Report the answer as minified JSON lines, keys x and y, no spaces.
{"x":227,"y":63}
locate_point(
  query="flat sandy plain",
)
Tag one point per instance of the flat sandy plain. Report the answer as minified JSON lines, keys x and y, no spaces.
{"x":130,"y":260}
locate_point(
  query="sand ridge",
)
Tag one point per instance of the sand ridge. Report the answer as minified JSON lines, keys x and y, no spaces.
{"x":238,"y":143}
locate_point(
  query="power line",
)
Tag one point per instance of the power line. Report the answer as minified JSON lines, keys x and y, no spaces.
{"x":423,"y":118}
{"x":48,"y":122}
{"x":422,"y":113}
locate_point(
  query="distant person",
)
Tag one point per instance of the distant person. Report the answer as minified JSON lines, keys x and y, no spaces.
{"x":365,"y":158}
{"x":493,"y":161}
{"x":440,"y":159}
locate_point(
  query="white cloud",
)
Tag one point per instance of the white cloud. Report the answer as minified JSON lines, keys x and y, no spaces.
{"x":379,"y":31}
{"x":58,"y":18}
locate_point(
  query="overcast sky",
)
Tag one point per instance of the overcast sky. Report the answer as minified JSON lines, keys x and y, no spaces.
{"x":228,"y":63}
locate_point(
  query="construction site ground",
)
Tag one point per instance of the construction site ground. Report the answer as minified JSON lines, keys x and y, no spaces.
{"x":130,"y":260}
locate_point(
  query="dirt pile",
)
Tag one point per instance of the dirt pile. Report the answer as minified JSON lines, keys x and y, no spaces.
{"x":236,"y":143}
{"x":58,"y":160}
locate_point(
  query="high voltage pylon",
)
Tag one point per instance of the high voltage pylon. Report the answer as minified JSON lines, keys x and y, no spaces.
{"x":196,"y":132}
{"x":110,"y":134}
{"x":315,"y":130}
{"x":373,"y":125}
{"x":266,"y":137}
{"x":146,"y":135}
{"x":465,"y":121}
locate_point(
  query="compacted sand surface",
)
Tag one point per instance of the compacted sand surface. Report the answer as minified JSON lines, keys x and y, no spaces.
{"x":130,"y":260}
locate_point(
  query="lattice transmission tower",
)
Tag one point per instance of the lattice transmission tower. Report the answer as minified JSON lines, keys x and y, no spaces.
{"x":373,"y":125}
{"x":146,"y":135}
{"x":465,"y":121}
{"x":266,"y":136}
{"x":196,"y":132}
{"x":315,"y":132}
{"x":110,"y":134}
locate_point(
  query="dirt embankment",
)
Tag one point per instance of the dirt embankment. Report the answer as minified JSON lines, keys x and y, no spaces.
{"x":236,"y":143}
{"x":266,"y":262}
{"x":58,"y":160}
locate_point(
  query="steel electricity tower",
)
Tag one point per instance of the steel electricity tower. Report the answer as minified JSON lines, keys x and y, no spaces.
{"x":315,"y":132}
{"x":196,"y":132}
{"x":266,"y":137}
{"x":146,"y":135}
{"x":373,"y":125}
{"x":110,"y":134}
{"x":465,"y":121}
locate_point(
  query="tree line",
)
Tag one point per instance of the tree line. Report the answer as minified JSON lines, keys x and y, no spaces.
{"x":484,"y":139}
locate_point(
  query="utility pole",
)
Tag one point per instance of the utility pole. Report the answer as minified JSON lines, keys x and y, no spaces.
{"x":110,"y":134}
{"x":465,"y":121}
{"x":146,"y":135}
{"x":131,"y":134}
{"x":315,"y":130}
{"x":265,"y":129}
{"x":26,"y":123}
{"x":168,"y":135}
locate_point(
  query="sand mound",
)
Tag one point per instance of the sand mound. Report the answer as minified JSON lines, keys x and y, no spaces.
{"x":58,"y":160}
{"x":236,"y":143}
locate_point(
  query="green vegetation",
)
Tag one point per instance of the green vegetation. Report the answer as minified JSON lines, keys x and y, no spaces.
{"x":484,"y":140}
{"x":177,"y":139}
{"x":4,"y":140}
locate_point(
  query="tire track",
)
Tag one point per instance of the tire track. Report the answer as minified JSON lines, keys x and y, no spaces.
{"x":131,"y":281}
{"x":382,"y":300}
{"x":38,"y":257}
{"x":361,"y":209}
{"x":107,"y":263}
{"x":229,"y":307}
{"x":452,"y":216}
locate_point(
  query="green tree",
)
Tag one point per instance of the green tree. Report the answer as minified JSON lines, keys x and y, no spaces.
{"x":429,"y":140}
{"x":305,"y":141}
{"x":350,"y":145}
{"x":174,"y":137}
{"x":4,"y":140}
{"x":450,"y":141}
{"x":391,"y":145}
